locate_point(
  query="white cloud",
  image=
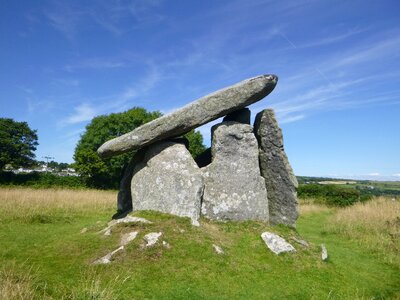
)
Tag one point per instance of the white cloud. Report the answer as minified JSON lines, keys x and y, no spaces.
{"x":83,"y":112}
{"x":374,"y":174}
{"x":290,"y":119}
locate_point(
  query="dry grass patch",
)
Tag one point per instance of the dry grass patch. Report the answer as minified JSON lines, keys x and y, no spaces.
{"x":37,"y":203}
{"x":376,"y":224}
{"x":310,"y":205}
{"x":16,"y":284}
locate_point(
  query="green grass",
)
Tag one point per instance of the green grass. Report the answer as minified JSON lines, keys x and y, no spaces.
{"x":45,"y":252}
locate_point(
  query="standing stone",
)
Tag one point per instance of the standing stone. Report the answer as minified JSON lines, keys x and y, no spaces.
{"x":199,"y":112}
{"x":124,"y":198}
{"x":280,"y":180}
{"x":168,"y":180}
{"x":233,"y":186}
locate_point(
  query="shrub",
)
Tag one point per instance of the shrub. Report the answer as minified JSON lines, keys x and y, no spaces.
{"x":40,"y":180}
{"x":331,"y":194}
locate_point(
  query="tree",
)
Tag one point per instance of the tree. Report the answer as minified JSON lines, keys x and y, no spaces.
{"x":17,"y":143}
{"x":107,"y":173}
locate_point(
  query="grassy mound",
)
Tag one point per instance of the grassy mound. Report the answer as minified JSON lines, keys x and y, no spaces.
{"x":46,"y":255}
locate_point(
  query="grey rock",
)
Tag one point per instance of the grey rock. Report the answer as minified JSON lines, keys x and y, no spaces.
{"x":124,"y":198}
{"x":127,"y":219}
{"x":218,"y":249}
{"x":301,"y":242}
{"x":276,"y":244}
{"x":168,"y":180}
{"x":240,"y":116}
{"x":108,"y":257}
{"x":199,"y":112}
{"x":152,"y":238}
{"x":128,"y":237}
{"x":233,"y":186}
{"x":324,"y":253}
{"x":280,"y":180}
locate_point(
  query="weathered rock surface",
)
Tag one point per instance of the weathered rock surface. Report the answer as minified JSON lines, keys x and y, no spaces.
{"x":280,"y":180}
{"x":168,"y":180}
{"x":234,"y":188}
{"x":152,"y":238}
{"x":301,"y":242}
{"x":324,"y":253}
{"x":128,"y":237}
{"x":276,"y":244}
{"x":124,"y":198}
{"x":127,"y":219}
{"x":108,"y":257}
{"x":218,"y":249}
{"x":199,"y":112}
{"x":240,"y":116}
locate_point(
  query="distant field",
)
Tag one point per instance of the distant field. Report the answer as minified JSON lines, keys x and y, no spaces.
{"x":46,"y":255}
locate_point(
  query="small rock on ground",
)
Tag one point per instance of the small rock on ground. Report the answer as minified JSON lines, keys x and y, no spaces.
{"x":324,"y":253}
{"x":276,"y":244}
{"x":128,"y":237}
{"x":152,"y":238}
{"x":83,"y":230}
{"x":127,"y":219}
{"x":107,"y":258}
{"x":218,"y":249}
{"x":166,"y":245}
{"x":301,"y":242}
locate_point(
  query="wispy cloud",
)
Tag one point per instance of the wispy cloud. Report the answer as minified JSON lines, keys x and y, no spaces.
{"x":72,"y":18}
{"x":82,"y":112}
{"x":331,"y":39}
{"x":289,"y":119}
{"x":96,"y":64}
{"x":378,"y":49}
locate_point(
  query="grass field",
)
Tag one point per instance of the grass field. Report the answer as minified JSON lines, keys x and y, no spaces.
{"x":45,"y":255}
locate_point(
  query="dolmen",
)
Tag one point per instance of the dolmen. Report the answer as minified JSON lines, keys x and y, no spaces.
{"x":245,"y":175}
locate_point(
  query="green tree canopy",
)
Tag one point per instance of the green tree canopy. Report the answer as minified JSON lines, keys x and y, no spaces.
{"x":17,"y":143}
{"x":107,"y":173}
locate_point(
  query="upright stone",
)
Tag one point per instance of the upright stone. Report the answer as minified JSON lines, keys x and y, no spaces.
{"x":124,"y":198}
{"x":233,"y":186}
{"x":168,"y":180}
{"x":280,"y":180}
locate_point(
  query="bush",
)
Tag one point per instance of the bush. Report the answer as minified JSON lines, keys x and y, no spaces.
{"x":331,"y":194}
{"x":40,"y":180}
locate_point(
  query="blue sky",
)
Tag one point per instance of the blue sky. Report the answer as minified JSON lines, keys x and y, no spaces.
{"x":338,"y":62}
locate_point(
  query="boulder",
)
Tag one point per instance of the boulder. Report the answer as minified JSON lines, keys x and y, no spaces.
{"x":193,"y":115}
{"x":168,"y":180}
{"x":280,"y":180}
{"x":233,"y":186}
{"x":240,"y":116}
{"x":276,"y":244}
